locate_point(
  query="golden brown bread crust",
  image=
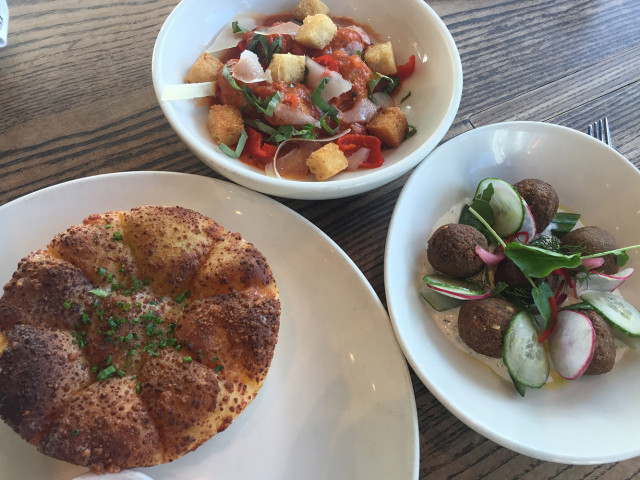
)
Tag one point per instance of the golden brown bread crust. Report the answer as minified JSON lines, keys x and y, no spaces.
{"x":134,"y":337}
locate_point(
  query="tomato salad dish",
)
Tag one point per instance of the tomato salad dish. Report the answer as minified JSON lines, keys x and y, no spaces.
{"x":301,"y":94}
{"x":528,"y":290}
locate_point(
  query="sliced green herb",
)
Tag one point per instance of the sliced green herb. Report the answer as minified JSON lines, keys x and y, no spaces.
{"x":405,"y":97}
{"x":117,"y":236}
{"x":266,"y":106}
{"x":98,"y":292}
{"x":106,"y":373}
{"x":102,"y":271}
{"x":235,"y":28}
{"x":67,"y":304}
{"x":235,"y":153}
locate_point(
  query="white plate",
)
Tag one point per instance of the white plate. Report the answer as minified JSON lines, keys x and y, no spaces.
{"x":591,"y":420}
{"x":338,"y":401}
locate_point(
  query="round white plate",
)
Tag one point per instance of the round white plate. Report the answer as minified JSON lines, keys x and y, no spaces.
{"x":338,"y":401}
{"x":590,"y":420}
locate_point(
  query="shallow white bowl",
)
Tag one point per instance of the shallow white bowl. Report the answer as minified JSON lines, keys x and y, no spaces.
{"x":590,"y":420}
{"x":413,"y":28}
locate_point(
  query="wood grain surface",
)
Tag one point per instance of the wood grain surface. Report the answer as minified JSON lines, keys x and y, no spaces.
{"x":76,"y":99}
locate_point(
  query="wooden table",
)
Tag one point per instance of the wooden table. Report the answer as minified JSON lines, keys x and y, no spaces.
{"x":76,"y":99}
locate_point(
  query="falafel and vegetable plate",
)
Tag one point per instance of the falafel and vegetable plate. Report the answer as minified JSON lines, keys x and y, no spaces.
{"x":509,"y":280}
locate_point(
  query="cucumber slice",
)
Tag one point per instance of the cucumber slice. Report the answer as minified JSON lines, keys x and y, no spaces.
{"x":451,"y":287}
{"x":439,"y":301}
{"x":525,"y":358}
{"x":508,"y":207}
{"x":616,"y":310}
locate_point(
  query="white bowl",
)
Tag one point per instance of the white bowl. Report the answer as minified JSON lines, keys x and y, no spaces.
{"x":590,"y":420}
{"x":413,"y":28}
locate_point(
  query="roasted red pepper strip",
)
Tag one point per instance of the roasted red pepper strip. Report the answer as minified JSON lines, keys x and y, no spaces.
{"x":350,"y":143}
{"x":406,"y":69}
{"x":255,"y":145}
{"x":554,"y":319}
{"x":327,"y":62}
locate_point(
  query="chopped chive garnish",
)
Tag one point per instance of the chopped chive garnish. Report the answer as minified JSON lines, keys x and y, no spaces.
{"x":117,"y":236}
{"x":67,"y":304}
{"x":138,"y":386}
{"x":75,"y":432}
{"x":411,"y":132}
{"x":121,"y":373}
{"x":102,"y":271}
{"x":218,"y":368}
{"x":106,"y":373}
{"x":405,"y":97}
{"x":186,"y":359}
{"x":99,"y":292}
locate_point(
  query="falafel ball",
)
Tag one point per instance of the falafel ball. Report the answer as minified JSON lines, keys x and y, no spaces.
{"x":542,"y":199}
{"x":451,"y":250}
{"x":482,"y":324}
{"x":509,"y":273}
{"x":594,"y":239}
{"x":604,"y":353}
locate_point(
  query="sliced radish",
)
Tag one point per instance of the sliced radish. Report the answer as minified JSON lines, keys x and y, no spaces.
{"x":507,"y":206}
{"x":455,"y":288}
{"x":616,"y":310}
{"x":591,"y":263}
{"x":491,"y":259}
{"x":528,"y":229}
{"x":571,"y":343}
{"x":600,"y":282}
{"x":523,"y":355}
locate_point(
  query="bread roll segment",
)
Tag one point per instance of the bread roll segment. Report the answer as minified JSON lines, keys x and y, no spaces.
{"x":139,"y":335}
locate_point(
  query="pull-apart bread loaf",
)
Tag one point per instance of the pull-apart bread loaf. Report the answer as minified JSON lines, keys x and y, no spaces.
{"x":135,"y":337}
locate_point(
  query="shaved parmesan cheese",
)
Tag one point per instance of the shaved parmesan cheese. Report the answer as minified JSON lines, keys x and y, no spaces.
{"x":288,"y":28}
{"x":361,"y":112}
{"x":227,"y":39}
{"x":358,"y":158}
{"x":336,"y":86}
{"x":186,"y":91}
{"x":248,"y":68}
{"x":285,"y":114}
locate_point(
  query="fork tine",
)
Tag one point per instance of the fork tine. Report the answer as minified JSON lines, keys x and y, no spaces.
{"x":606,"y":134}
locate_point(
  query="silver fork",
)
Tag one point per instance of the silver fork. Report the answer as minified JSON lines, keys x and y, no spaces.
{"x":600,"y":130}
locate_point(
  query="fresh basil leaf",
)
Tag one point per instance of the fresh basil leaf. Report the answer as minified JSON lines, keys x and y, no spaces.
{"x":541,"y":294}
{"x":390,"y":82}
{"x":537,"y":262}
{"x":235,"y":28}
{"x":318,"y":101}
{"x":239,"y":147}
{"x":410,"y":133}
{"x":259,"y":44}
{"x":325,"y":126}
{"x":266,"y":106}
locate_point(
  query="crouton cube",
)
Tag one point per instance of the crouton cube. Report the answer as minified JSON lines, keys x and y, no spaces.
{"x":316,"y":31}
{"x":380,"y":58}
{"x":286,"y":67}
{"x":310,"y":7}
{"x":327,"y":161}
{"x":205,"y":69}
{"x":225,"y":124}
{"x":389,"y":125}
